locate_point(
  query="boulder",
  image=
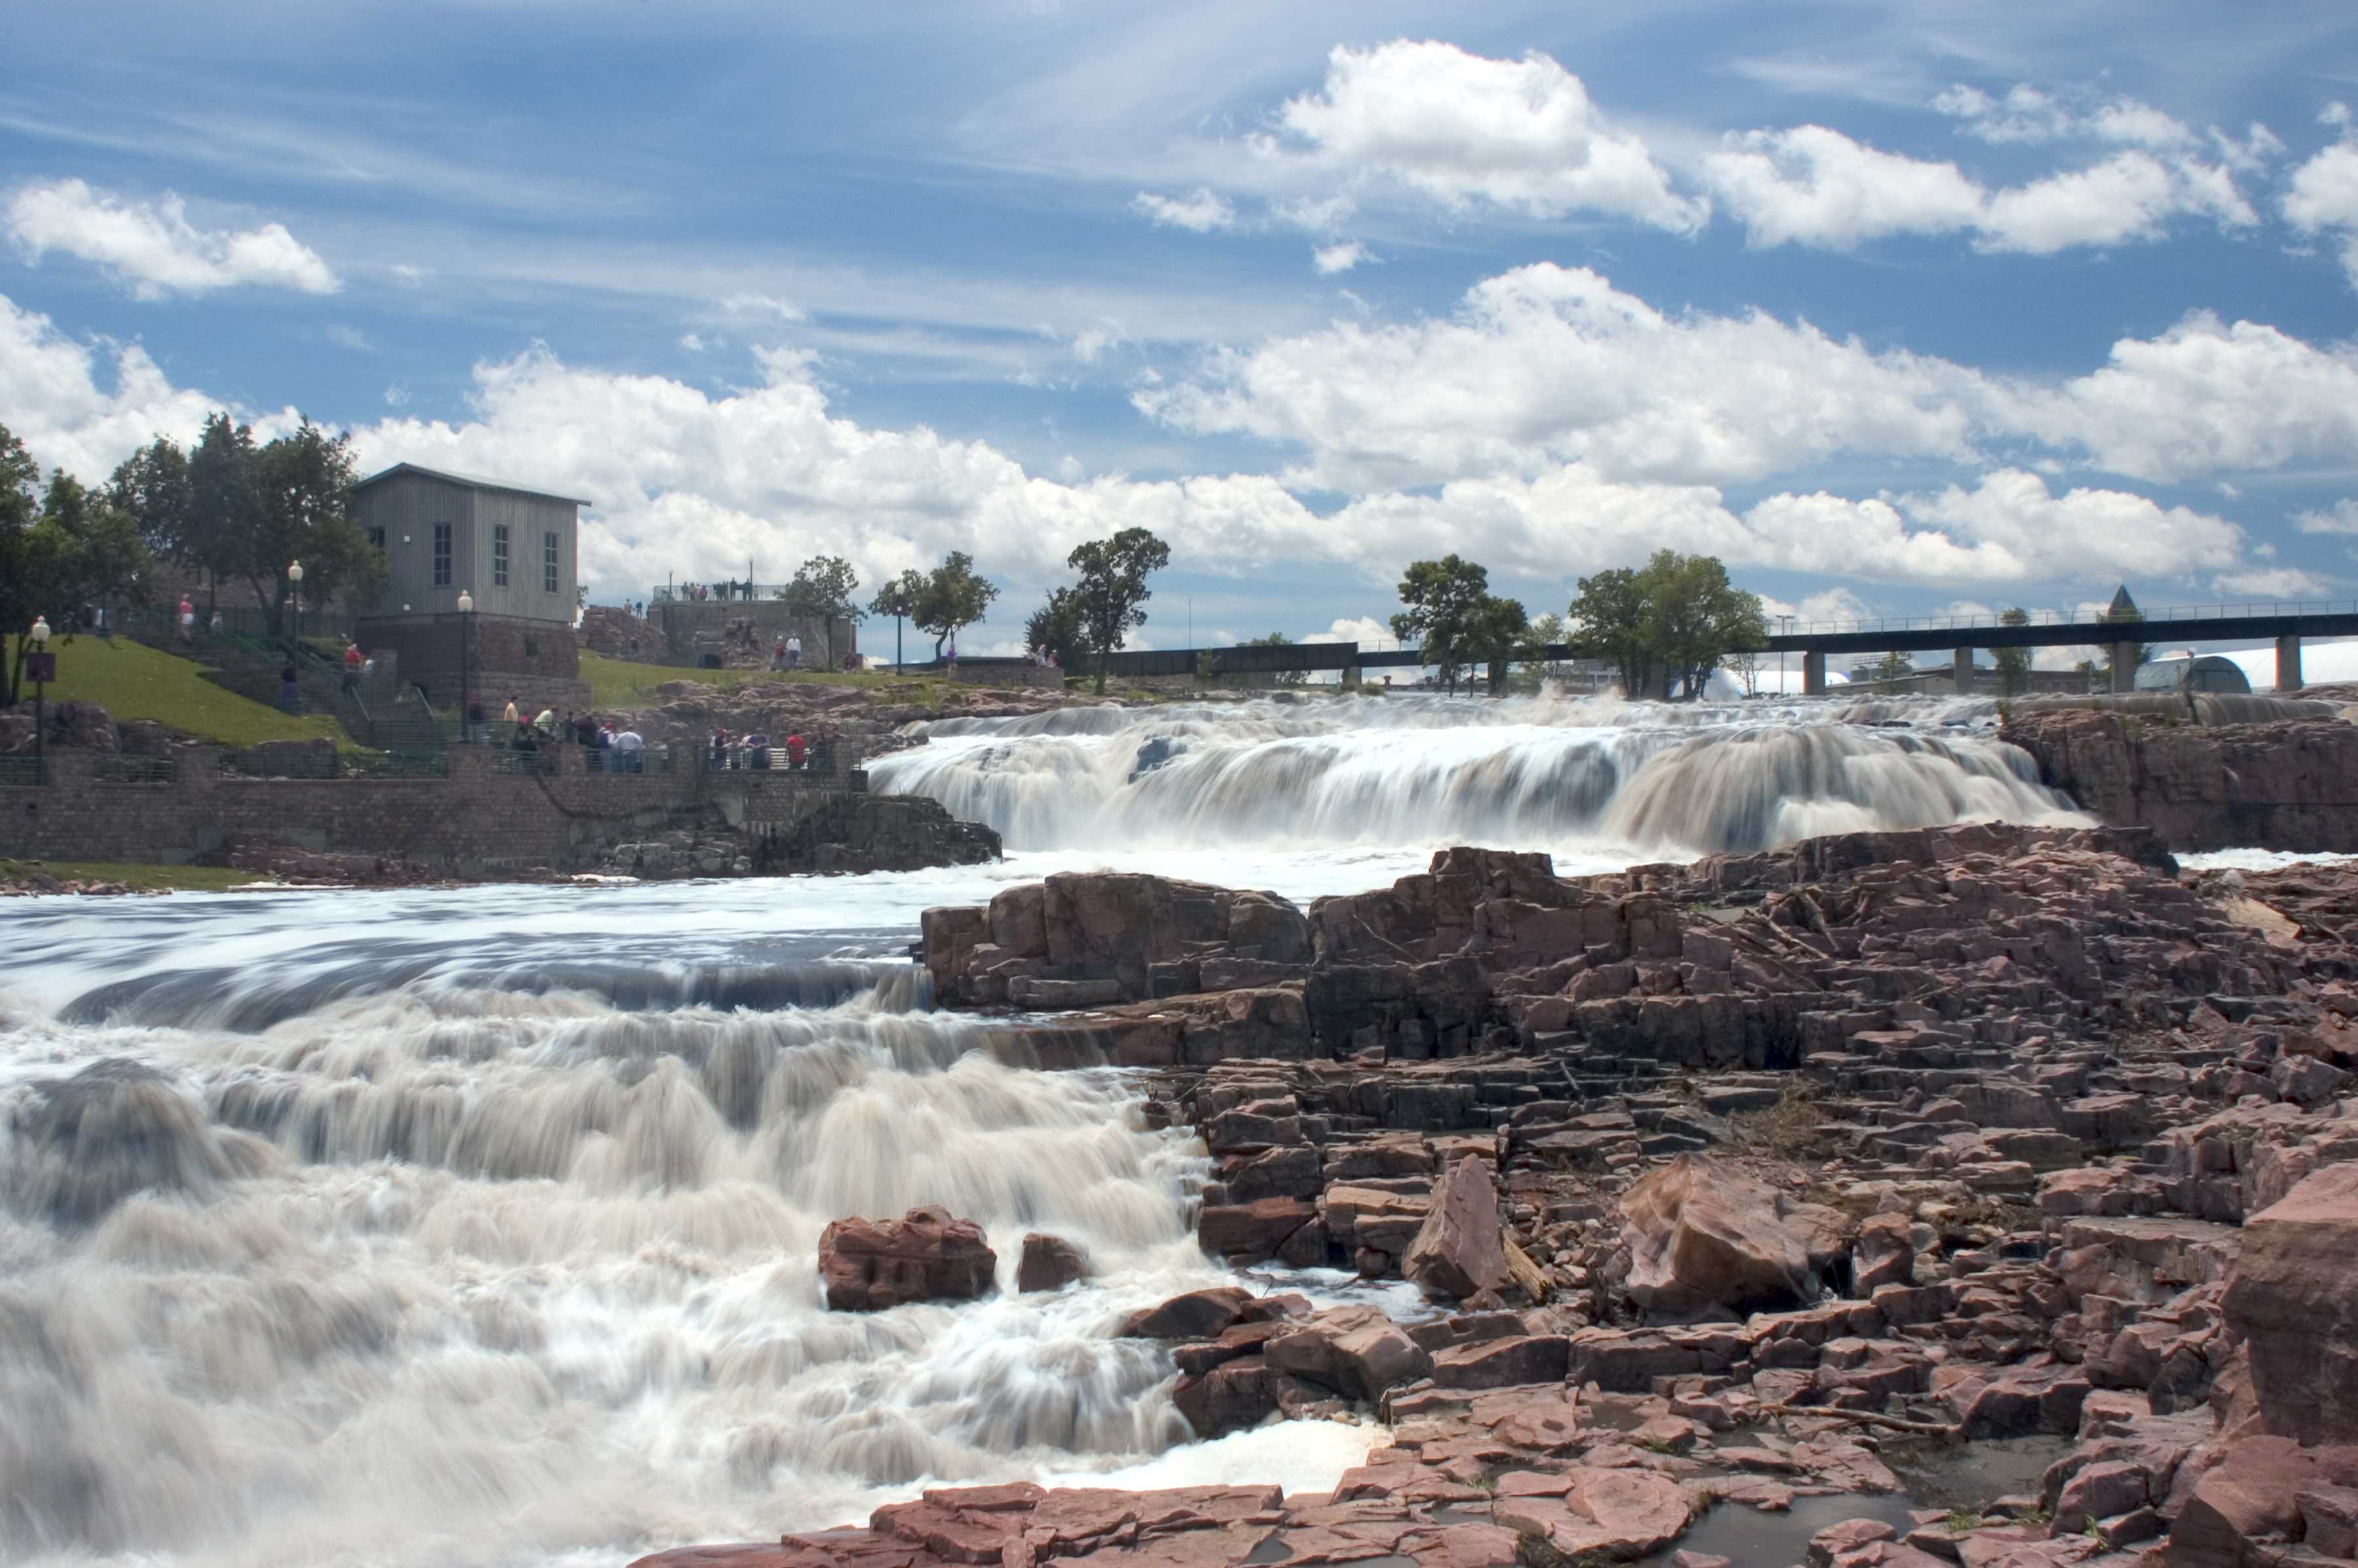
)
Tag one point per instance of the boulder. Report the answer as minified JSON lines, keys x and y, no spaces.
{"x":1049,"y":1263}
{"x":1612,"y":1514}
{"x":2294,"y":1299}
{"x":1198,"y":1315}
{"x":1704,"y":1234}
{"x":1884,"y":1254}
{"x":927,"y":1256}
{"x":1460,"y":1251}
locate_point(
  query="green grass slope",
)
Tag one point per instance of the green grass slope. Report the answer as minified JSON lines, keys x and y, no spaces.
{"x":131,"y":680}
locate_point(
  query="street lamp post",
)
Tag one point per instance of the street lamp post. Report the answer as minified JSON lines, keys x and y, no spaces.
{"x":294,"y":582}
{"x":466,"y":697}
{"x":41,"y":670}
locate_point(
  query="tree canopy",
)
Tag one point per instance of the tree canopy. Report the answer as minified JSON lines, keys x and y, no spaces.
{"x":821,"y":590}
{"x":1109,"y":602}
{"x":1057,"y":626}
{"x":1454,"y":620}
{"x":57,"y":554}
{"x":951,"y":597}
{"x":2013,"y":664}
{"x":1677,"y":616}
{"x":235,"y":509}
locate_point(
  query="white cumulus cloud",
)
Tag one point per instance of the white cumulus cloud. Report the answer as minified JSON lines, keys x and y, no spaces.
{"x":1812,"y":185}
{"x":1343,"y":257}
{"x":1203,"y":212}
{"x":1460,"y":128}
{"x":2342,"y":519}
{"x":2323,"y":198}
{"x":153,"y":248}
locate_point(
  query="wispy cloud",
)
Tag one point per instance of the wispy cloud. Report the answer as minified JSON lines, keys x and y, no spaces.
{"x":1203,"y":212}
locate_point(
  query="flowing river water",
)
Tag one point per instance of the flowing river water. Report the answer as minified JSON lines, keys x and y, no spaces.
{"x":478,"y":1225}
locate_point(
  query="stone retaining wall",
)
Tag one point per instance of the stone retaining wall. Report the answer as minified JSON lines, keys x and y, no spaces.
{"x":475,"y":821}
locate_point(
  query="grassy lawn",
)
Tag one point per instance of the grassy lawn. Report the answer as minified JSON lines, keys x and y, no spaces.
{"x":618,"y":683}
{"x":183,"y":878}
{"x":133,"y":681}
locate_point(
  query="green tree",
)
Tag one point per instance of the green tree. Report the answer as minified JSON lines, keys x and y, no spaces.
{"x":1110,"y":600}
{"x":1609,"y":619}
{"x":1057,"y":626}
{"x":302,"y":486}
{"x":20,"y":595}
{"x":1449,"y":613}
{"x":1894,"y":667}
{"x":821,"y":591}
{"x":1497,"y":630}
{"x":951,"y":599}
{"x":898,"y":599}
{"x":80,"y":550}
{"x":152,"y":487}
{"x":1695,"y":617}
{"x":2013,"y":664}
{"x":223,"y":512}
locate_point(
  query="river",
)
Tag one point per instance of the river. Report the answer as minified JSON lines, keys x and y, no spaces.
{"x":478,"y":1225}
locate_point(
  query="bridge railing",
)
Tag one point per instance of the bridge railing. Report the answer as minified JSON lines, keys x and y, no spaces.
{"x":2222,"y":613}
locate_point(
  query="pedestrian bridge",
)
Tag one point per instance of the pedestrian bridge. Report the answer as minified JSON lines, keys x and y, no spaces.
{"x":2122,"y":629}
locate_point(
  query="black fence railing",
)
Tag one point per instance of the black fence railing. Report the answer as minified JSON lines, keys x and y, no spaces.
{"x":19,"y":770}
{"x":831,"y":758}
{"x":135,"y":770}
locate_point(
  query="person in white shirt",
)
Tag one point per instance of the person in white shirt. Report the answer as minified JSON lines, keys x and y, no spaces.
{"x":630,"y":743}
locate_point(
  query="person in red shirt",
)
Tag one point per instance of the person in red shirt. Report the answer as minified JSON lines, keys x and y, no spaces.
{"x":795,"y":750}
{"x":351,"y":666}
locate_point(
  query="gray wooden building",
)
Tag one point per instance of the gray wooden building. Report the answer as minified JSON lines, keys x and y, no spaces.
{"x":515,"y":551}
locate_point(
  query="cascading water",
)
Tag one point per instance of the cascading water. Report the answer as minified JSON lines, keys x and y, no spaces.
{"x":1639,"y":778}
{"x":462,"y":1264}
{"x":479,"y":1226}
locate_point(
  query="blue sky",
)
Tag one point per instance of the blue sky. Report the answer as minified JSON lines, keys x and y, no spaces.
{"x":1897,"y":309}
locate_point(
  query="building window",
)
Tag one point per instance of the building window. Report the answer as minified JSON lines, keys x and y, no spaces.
{"x":532,"y":647}
{"x":499,"y":555}
{"x":376,"y":537}
{"x":441,"y":555}
{"x":549,"y":563}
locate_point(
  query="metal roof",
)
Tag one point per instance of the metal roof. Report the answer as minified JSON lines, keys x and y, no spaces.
{"x":470,"y":481}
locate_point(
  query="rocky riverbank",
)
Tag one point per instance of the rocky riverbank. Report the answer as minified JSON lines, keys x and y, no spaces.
{"x":1766,"y":1179}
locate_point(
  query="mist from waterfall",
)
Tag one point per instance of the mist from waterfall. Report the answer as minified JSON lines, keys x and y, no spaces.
{"x":1655,"y":780}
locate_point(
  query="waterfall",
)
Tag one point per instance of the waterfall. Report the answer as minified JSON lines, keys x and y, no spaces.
{"x":1531,"y":773}
{"x":450,"y":1273}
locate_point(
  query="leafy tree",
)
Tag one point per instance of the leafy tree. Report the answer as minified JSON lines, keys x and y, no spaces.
{"x":1896,"y":665}
{"x":952,"y":598}
{"x":1695,"y":617}
{"x":1449,"y":610}
{"x":21,"y":597}
{"x":1678,"y":615}
{"x":2013,"y":664}
{"x":79,"y":548}
{"x":302,"y":485}
{"x":224,"y":511}
{"x":1057,"y":626}
{"x":1497,"y":630}
{"x":152,"y":487}
{"x":1610,"y":614}
{"x":898,"y":599}
{"x":821,"y":591}
{"x":1109,"y":599}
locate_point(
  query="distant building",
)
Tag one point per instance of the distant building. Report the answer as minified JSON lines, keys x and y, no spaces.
{"x":516,"y":552}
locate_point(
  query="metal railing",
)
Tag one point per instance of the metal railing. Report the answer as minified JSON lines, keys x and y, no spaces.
{"x":645,"y":759}
{"x":20,"y":770}
{"x":119,"y":769}
{"x":524,"y":761}
{"x":825,"y":759}
{"x":2250,"y":612}
{"x":395,"y":764}
{"x":715,"y":592}
{"x":262,"y":763}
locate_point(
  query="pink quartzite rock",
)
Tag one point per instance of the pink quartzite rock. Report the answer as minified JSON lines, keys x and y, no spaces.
{"x":926,"y":1257}
{"x":1702,"y":1234}
{"x":1460,"y":1250}
{"x":1049,"y":1263}
{"x":2294,"y":1297}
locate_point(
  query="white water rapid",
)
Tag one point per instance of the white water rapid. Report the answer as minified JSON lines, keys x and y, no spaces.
{"x":478,"y":1225}
{"x":1585,"y":777}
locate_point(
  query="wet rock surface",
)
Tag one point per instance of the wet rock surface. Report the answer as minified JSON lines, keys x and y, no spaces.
{"x":1751,"y":1183}
{"x":927,"y":1256}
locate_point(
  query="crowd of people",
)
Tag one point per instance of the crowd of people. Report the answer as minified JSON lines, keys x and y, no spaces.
{"x":621,"y":750}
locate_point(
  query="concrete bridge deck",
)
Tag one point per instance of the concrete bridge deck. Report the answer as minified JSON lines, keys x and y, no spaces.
{"x":2284,"y":624}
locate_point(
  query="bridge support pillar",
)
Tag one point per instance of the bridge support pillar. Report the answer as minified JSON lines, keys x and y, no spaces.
{"x":2288,"y":663}
{"x":1350,"y":674}
{"x":1813,"y":673}
{"x":1961,"y":667}
{"x":2124,"y":666}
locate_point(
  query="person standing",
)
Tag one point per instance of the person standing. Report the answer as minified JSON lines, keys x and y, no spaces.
{"x":352,"y":668}
{"x":628,"y":744}
{"x":795,"y":750}
{"x":794,"y":653}
{"x":187,"y":619}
